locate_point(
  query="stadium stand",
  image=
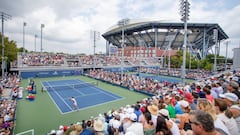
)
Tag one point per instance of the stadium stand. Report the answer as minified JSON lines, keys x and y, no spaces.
{"x":38,"y":59}
{"x":8,"y":102}
{"x":168,"y":112}
{"x":29,"y":60}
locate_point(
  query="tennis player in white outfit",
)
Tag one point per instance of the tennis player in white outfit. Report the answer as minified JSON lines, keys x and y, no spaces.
{"x":75,"y":105}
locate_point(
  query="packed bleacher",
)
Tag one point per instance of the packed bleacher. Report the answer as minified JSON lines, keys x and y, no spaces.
{"x":42,"y":59}
{"x":10,"y":92}
{"x":209,"y":106}
{"x":129,"y":81}
{"x":67,"y":60}
{"x":190,"y":74}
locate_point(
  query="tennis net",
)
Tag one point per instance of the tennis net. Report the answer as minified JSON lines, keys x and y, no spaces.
{"x":70,"y":86}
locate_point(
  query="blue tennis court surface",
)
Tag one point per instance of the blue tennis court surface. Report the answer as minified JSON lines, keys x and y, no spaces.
{"x":86,"y":95}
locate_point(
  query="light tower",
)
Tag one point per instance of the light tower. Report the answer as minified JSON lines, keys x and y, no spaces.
{"x":24,"y":25}
{"x":35,"y":38}
{"x":95,"y":35}
{"x":122,"y":23}
{"x":5,"y":17}
{"x":184,"y":12}
{"x":215,"y":38}
{"x":42,"y":26}
{"x":226,"y":55}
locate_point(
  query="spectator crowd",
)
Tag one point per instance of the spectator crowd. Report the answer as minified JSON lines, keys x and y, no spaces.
{"x":63,"y":60}
{"x":8,"y":102}
{"x":190,"y":74}
{"x":209,"y":106}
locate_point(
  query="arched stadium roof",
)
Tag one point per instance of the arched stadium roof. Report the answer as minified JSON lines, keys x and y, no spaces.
{"x":151,"y":33}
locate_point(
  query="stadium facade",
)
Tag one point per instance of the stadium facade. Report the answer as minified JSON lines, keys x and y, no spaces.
{"x":159,"y":34}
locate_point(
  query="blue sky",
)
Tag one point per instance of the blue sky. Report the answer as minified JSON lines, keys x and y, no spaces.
{"x":68,"y":23}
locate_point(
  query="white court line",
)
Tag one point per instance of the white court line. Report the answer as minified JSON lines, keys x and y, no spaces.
{"x":105,"y":92}
{"x":99,"y":91}
{"x":96,"y":93}
{"x":77,"y":90}
{"x":61,"y":98}
{"x":53,"y":99}
{"x":91,"y":106}
{"x":31,"y":130}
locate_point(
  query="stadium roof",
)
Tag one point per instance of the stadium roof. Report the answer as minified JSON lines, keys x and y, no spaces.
{"x":152,"y":32}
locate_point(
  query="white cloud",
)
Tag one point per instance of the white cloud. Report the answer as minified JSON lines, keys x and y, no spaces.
{"x":68,"y":24}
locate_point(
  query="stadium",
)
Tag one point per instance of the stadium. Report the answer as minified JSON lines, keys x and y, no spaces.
{"x":135,"y":88}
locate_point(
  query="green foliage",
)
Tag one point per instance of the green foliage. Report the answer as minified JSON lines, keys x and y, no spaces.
{"x":176,"y":61}
{"x":10,"y":50}
{"x":194,"y":64}
{"x":208,"y":66}
{"x":20,"y":49}
{"x":207,"y":63}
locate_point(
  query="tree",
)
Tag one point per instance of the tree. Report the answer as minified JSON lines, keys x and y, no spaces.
{"x":176,"y":61}
{"x":10,"y":51}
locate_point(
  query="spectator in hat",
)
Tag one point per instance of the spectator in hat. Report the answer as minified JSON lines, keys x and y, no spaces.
{"x":70,"y":129}
{"x":233,"y":88}
{"x":235,"y":78}
{"x":136,"y":127}
{"x":60,"y":131}
{"x":185,"y":116}
{"x":99,"y":127}
{"x":189,"y":98}
{"x":235,"y":109}
{"x":114,"y":123}
{"x":172,"y":126}
{"x":153,"y":109}
{"x":126,"y":122}
{"x":229,"y":98}
{"x":226,"y":116}
{"x":77,"y":130}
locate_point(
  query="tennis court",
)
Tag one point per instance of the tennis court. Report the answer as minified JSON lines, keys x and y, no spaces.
{"x":87,"y":94}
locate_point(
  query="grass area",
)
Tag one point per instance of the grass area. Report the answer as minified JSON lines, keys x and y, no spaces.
{"x":42,"y":114}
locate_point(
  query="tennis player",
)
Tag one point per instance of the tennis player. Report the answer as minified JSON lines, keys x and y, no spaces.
{"x":75,"y":105}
